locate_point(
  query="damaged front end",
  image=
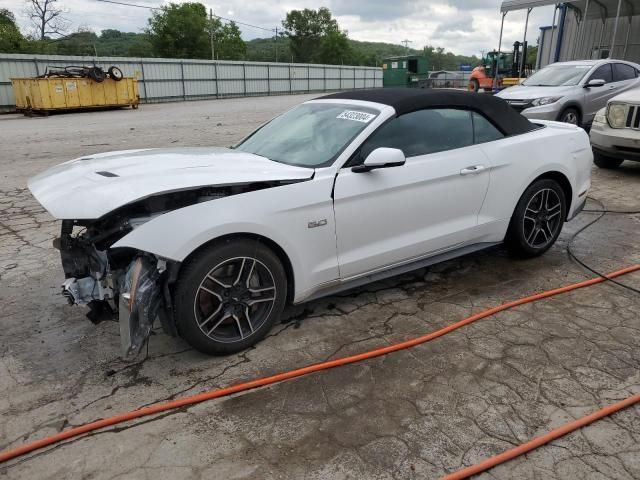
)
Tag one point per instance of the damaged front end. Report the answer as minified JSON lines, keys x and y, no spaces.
{"x":122,"y":284}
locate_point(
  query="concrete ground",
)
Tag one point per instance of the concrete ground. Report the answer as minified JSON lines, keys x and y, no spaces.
{"x":417,"y":413}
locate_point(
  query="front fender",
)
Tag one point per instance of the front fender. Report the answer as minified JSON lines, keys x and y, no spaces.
{"x":281,"y":214}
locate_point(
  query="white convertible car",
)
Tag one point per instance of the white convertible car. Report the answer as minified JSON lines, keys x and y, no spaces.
{"x":337,"y":192}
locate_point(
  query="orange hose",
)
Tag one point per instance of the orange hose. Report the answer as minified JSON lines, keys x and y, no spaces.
{"x":241,"y":387}
{"x":541,"y":440}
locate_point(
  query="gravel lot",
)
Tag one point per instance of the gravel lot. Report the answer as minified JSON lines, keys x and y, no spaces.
{"x":418,"y":413}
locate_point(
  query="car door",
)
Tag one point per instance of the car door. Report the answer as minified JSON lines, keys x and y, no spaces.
{"x":624,"y":77}
{"x":430,"y":204}
{"x":596,"y":98}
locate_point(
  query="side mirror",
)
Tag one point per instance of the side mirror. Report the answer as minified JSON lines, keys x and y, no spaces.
{"x":595,"y":82}
{"x":381,"y":158}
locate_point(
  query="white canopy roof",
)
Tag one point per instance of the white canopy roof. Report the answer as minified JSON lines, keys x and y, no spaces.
{"x":597,"y":8}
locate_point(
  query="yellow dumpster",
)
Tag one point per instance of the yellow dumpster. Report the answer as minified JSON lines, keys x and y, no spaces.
{"x":59,"y":93}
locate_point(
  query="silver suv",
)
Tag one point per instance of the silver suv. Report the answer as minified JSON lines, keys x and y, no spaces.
{"x":572,"y":92}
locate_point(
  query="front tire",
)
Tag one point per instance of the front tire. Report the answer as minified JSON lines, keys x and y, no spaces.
{"x":229,"y":295}
{"x":570,"y":115}
{"x":474,"y":85}
{"x":603,"y":161}
{"x":537,"y":220}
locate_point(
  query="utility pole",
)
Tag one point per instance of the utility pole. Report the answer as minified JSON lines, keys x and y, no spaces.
{"x":276,"y":44}
{"x":406,"y":46}
{"x":213,"y":56}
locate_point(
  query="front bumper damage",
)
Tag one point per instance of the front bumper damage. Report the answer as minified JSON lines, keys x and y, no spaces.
{"x":139,"y":302}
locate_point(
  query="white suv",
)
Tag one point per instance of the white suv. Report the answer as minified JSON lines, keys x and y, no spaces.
{"x":615,"y":133}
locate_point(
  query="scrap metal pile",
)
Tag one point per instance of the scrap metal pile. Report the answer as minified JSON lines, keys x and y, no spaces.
{"x":95,"y":73}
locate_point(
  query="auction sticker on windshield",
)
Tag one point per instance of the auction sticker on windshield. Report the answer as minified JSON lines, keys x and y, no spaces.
{"x":363,"y":117}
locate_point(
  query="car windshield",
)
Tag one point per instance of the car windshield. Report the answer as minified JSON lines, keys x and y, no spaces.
{"x":309,"y":135}
{"x":557,"y":75}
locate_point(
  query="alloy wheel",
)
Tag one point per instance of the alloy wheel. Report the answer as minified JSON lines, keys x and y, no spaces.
{"x":234,"y":299}
{"x":542,"y":218}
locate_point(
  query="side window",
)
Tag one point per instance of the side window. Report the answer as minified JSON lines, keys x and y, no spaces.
{"x":423,"y":132}
{"x":622,"y":72}
{"x":603,"y":72}
{"x":483,"y":130}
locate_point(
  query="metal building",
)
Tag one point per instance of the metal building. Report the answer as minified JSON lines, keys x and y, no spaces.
{"x":585,"y":29}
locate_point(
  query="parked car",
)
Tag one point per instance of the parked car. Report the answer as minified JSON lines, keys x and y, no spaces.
{"x":572,"y":92}
{"x":615,"y":133}
{"x":447,"y":79}
{"x":335,"y":193}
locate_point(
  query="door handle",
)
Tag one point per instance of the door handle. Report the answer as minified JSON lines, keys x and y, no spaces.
{"x":472,"y":169}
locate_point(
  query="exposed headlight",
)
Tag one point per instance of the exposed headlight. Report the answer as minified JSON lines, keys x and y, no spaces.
{"x":616,"y":114}
{"x":544,"y":101}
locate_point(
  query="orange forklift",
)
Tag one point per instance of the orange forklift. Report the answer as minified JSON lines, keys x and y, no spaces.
{"x":500,"y":69}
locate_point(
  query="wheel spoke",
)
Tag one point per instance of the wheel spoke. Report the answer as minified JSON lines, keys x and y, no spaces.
{"x":532,"y":235}
{"x":224,"y":317}
{"x":545,"y":200}
{"x":544,"y":232}
{"x":215,"y":280}
{"x":211,"y":292}
{"x":248,"y":317}
{"x":527,"y":217}
{"x":253,"y":301}
{"x":235,"y":317}
{"x":211,"y":317}
{"x":554,"y":211}
{"x":245,"y":271}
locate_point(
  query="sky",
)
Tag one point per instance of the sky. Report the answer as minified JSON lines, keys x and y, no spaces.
{"x":466,"y":27}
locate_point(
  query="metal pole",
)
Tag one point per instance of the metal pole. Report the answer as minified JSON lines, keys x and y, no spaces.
{"x":276,"y":44}
{"x":495,"y":73}
{"x":213,"y":57}
{"x":615,"y":30}
{"x":626,"y":40}
{"x":601,"y":35}
{"x":524,"y":45}
{"x":553,"y":31}
{"x":215,"y":71}
{"x":184,"y":90}
{"x":583,"y":25}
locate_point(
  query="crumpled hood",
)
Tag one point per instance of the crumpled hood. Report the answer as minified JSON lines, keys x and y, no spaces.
{"x":91,"y":186}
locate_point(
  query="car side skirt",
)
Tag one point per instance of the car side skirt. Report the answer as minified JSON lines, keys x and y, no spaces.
{"x":392,"y":271}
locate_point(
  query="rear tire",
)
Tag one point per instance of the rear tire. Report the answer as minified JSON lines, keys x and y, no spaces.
{"x":603,"y":161}
{"x":474,"y":85}
{"x":228,"y":296}
{"x":537,"y":220}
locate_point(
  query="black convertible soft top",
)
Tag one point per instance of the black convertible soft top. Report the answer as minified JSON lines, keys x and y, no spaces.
{"x":405,"y":100}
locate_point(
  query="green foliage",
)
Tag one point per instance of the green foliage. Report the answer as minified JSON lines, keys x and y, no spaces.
{"x":308,"y":29}
{"x":438,"y":59}
{"x":11,"y":40}
{"x":180,"y":31}
{"x":183,"y":31}
{"x":228,"y":42}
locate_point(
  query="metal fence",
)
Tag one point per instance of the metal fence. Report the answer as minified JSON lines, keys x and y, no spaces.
{"x":162,"y":80}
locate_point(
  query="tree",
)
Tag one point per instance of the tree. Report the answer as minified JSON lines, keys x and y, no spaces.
{"x":11,"y":39}
{"x":46,"y":17}
{"x":306,"y":28}
{"x":228,"y":43}
{"x":335,"y":49}
{"x":180,"y":31}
